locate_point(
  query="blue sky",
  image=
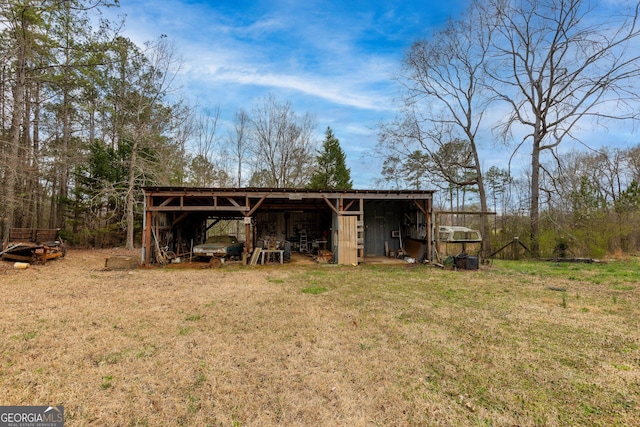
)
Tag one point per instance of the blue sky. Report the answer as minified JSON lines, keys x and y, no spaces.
{"x":332,"y":59}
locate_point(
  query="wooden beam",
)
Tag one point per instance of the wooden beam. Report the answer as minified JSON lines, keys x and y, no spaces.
{"x":430,"y":235}
{"x":200,"y":208}
{"x":346,"y":208}
{"x":146,"y":235}
{"x":423,"y":210}
{"x":248,"y":242}
{"x":233,"y":202}
{"x":257,"y":205}
{"x":306,"y":194}
{"x":181,"y":218}
{"x":328,"y":202}
{"x":166,"y":202}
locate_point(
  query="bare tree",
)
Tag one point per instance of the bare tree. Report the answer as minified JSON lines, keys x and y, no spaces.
{"x":633,"y":162}
{"x":206,"y":133}
{"x":144,"y":89}
{"x":205,"y":147}
{"x":238,"y":140}
{"x":608,"y":170}
{"x":282,"y":145}
{"x":19,"y":21}
{"x":182,"y":131}
{"x":444,"y":102}
{"x":556,"y":63}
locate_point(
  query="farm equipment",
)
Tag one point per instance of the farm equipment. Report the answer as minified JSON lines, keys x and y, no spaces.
{"x":462,"y":236}
{"x":33,"y":245}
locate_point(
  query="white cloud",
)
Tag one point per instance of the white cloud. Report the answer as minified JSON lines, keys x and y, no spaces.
{"x":310,"y":85}
{"x":331,"y":59}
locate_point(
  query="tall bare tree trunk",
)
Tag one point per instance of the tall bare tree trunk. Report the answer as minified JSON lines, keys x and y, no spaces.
{"x":63,"y":161}
{"x":131,"y":195}
{"x":534,"y":214}
{"x":35,"y":162}
{"x":558,"y":64}
{"x":16,"y":118}
{"x":26,"y":181}
{"x":484,"y":223}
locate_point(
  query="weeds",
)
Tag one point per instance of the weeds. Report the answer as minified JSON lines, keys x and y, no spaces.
{"x":314,"y":290}
{"x":106,"y":382}
{"x":29,"y":335}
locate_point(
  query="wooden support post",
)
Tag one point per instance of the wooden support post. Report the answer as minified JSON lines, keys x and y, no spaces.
{"x":146,"y":235}
{"x":430,"y":236}
{"x":248,"y":240}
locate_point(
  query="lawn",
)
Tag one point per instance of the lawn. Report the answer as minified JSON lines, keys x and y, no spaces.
{"x":514,"y":344}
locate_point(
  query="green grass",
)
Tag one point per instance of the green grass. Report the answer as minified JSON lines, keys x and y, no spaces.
{"x":106,"y":382}
{"x":607,"y":272}
{"x":513,"y":338}
{"x":26,"y":336}
{"x":314,"y":290}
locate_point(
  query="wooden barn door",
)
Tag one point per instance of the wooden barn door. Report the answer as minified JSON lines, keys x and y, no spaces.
{"x":347,"y":240}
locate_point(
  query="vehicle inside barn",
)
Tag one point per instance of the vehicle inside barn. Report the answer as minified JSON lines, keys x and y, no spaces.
{"x":345,"y":227}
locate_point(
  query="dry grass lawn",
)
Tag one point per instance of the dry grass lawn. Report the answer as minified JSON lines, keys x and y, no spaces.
{"x":514,"y":344}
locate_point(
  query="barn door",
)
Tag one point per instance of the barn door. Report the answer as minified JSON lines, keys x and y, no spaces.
{"x":347,"y":240}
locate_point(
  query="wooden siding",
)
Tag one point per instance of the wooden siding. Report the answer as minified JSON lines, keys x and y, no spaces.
{"x":347,"y":240}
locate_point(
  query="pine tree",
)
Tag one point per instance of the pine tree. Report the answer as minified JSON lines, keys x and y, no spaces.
{"x":332,"y":172}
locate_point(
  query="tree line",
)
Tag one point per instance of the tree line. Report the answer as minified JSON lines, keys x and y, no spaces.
{"x":525,"y":77}
{"x":88,"y":118}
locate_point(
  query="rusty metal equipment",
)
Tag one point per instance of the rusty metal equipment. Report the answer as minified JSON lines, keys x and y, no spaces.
{"x":33,"y":245}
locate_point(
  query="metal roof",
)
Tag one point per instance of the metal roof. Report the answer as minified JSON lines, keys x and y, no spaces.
{"x":282,"y":192}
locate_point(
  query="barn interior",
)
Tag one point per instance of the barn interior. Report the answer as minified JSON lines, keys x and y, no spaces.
{"x":363,"y":223}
